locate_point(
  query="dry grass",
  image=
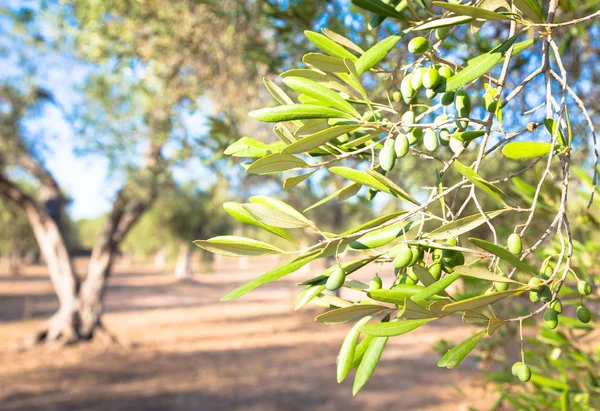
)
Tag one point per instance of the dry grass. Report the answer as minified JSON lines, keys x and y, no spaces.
{"x":190,"y":351}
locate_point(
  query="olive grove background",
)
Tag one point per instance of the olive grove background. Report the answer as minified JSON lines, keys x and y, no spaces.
{"x":117,"y":120}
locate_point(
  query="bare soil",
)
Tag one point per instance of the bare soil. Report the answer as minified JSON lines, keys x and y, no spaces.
{"x":186,"y":350}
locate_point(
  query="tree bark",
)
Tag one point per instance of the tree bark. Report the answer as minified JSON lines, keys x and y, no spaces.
{"x":63,"y":324}
{"x":184,"y":259}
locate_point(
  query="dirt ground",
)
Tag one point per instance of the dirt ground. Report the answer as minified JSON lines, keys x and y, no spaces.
{"x":188,"y":351}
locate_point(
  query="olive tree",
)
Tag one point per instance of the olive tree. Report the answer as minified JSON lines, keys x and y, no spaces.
{"x":428,"y":96}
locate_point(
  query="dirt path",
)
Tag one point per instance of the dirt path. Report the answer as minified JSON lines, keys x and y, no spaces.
{"x":192,"y":352}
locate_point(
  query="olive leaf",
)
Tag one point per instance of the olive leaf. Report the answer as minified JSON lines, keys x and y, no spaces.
{"x":531,"y":9}
{"x":294,"y":181}
{"x":505,"y":255}
{"x":456,"y":355}
{"x":445,"y":22}
{"x":343,"y":41}
{"x":373,"y":223}
{"x":296,"y":112}
{"x":368,"y":363}
{"x":379,"y":7}
{"x":482,"y":274}
{"x":325,"y":63}
{"x":520,"y":150}
{"x":391,"y":187}
{"x":274,"y":163}
{"x":277,"y":92}
{"x":382,"y":236}
{"x":275,"y":213}
{"x":480,"y":182}
{"x":346,"y":355}
{"x":376,"y":53}
{"x":342,"y":194}
{"x":306,"y":295}
{"x":320,"y":92}
{"x":552,"y":126}
{"x":248,"y":147}
{"x":462,"y":225}
{"x":272,"y":275}
{"x":237,"y":211}
{"x":479,"y":301}
{"x":317,"y":139}
{"x":392,"y":329}
{"x":345,"y":314}
{"x":436,"y":287}
{"x":413,"y":311}
{"x":476,"y":12}
{"x":328,"y":46}
{"x":235,"y":246}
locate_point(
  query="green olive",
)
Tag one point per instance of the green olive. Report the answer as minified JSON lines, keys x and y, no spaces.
{"x":406,"y":89}
{"x":404,"y":256}
{"x":524,"y":373}
{"x":429,"y":93}
{"x":415,"y":135}
{"x":441,"y":32}
{"x":545,"y":294}
{"x":436,"y":270}
{"x":417,"y":78}
{"x":557,"y":306}
{"x":408,"y":118}
{"x":411,"y":274}
{"x":550,"y":319}
{"x":336,"y":279}
{"x":456,"y":146}
{"x":444,"y":137}
{"x":515,"y":368}
{"x":418,"y":45}
{"x":462,"y":102}
{"x":535,"y":282}
{"x":514,"y":244}
{"x":501,"y":285}
{"x":430,"y":140}
{"x":387,"y":155}
{"x":396,"y":95}
{"x":583,"y":314}
{"x":416,"y":255}
{"x":375,"y":283}
{"x":584,"y":287}
{"x":445,"y":72}
{"x":447,"y":98}
{"x":401,"y":146}
{"x":431,"y":78}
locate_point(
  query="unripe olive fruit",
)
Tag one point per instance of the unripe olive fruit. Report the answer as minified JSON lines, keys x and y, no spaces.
{"x":535,"y":282}
{"x":550,"y":319}
{"x":430,"y":140}
{"x":396,"y":95}
{"x":456,"y":146}
{"x":401,"y":146}
{"x":336,"y":279}
{"x":411,"y":274}
{"x":452,"y":241}
{"x":441,"y":32}
{"x":404,"y":257}
{"x":524,"y":373}
{"x":445,"y":72}
{"x":447,"y":98}
{"x":584,"y":287}
{"x":515,"y":368}
{"x":375,"y":283}
{"x":418,"y":45}
{"x":459,"y":259}
{"x":405,"y":279}
{"x":440,"y":119}
{"x":416,"y":80}
{"x":415,"y":135}
{"x":431,"y":78}
{"x":444,"y":137}
{"x":514,"y":244}
{"x":583,"y":314}
{"x":557,"y":306}
{"x":489,"y":103}
{"x":429,"y":93}
{"x":406,"y":89}
{"x":545,"y":294}
{"x":387,"y":155}
{"x":416,"y":255}
{"x":501,"y":286}
{"x":408,"y":118}
{"x":534,"y":297}
{"x":436,"y":270}
{"x":462,"y":100}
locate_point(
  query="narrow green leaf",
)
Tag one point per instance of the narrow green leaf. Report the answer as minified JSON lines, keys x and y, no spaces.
{"x":551,"y":126}
{"x":436,"y":287}
{"x":531,"y":9}
{"x":237,"y":211}
{"x":480,"y":182}
{"x":280,"y":206}
{"x":392,"y":187}
{"x":342,"y":194}
{"x":376,"y":53}
{"x":296,"y":112}
{"x":284,"y":134}
{"x":328,"y":46}
{"x":308,"y":294}
{"x":272,"y":275}
{"x":505,"y":255}
{"x":479,"y":301}
{"x":445,"y":22}
{"x":382,"y":236}
{"x":456,"y":355}
{"x":345,"y":314}
{"x":324,"y":63}
{"x":235,"y":246}
{"x":274,"y":163}
{"x":482,"y":274}
{"x":346,"y":356}
{"x":472,"y":11}
{"x":423,"y":275}
{"x":393,"y":329}
{"x":467,"y":136}
{"x":277,"y":92}
{"x":343,"y":41}
{"x":478,"y":66}
{"x":368,"y":363}
{"x":475,"y":317}
{"x":361,"y":349}
{"x":494,"y":324}
{"x":321,"y":93}
{"x":397,"y":294}
{"x":462,"y":225}
{"x":373,"y":223}
{"x":379,"y":7}
{"x":248,"y":147}
{"x":413,"y":311}
{"x":294,"y":181}
{"x":310,"y":142}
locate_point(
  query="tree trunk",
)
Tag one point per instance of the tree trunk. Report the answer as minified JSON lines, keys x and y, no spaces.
{"x":184,"y":259}
{"x":63,"y":324}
